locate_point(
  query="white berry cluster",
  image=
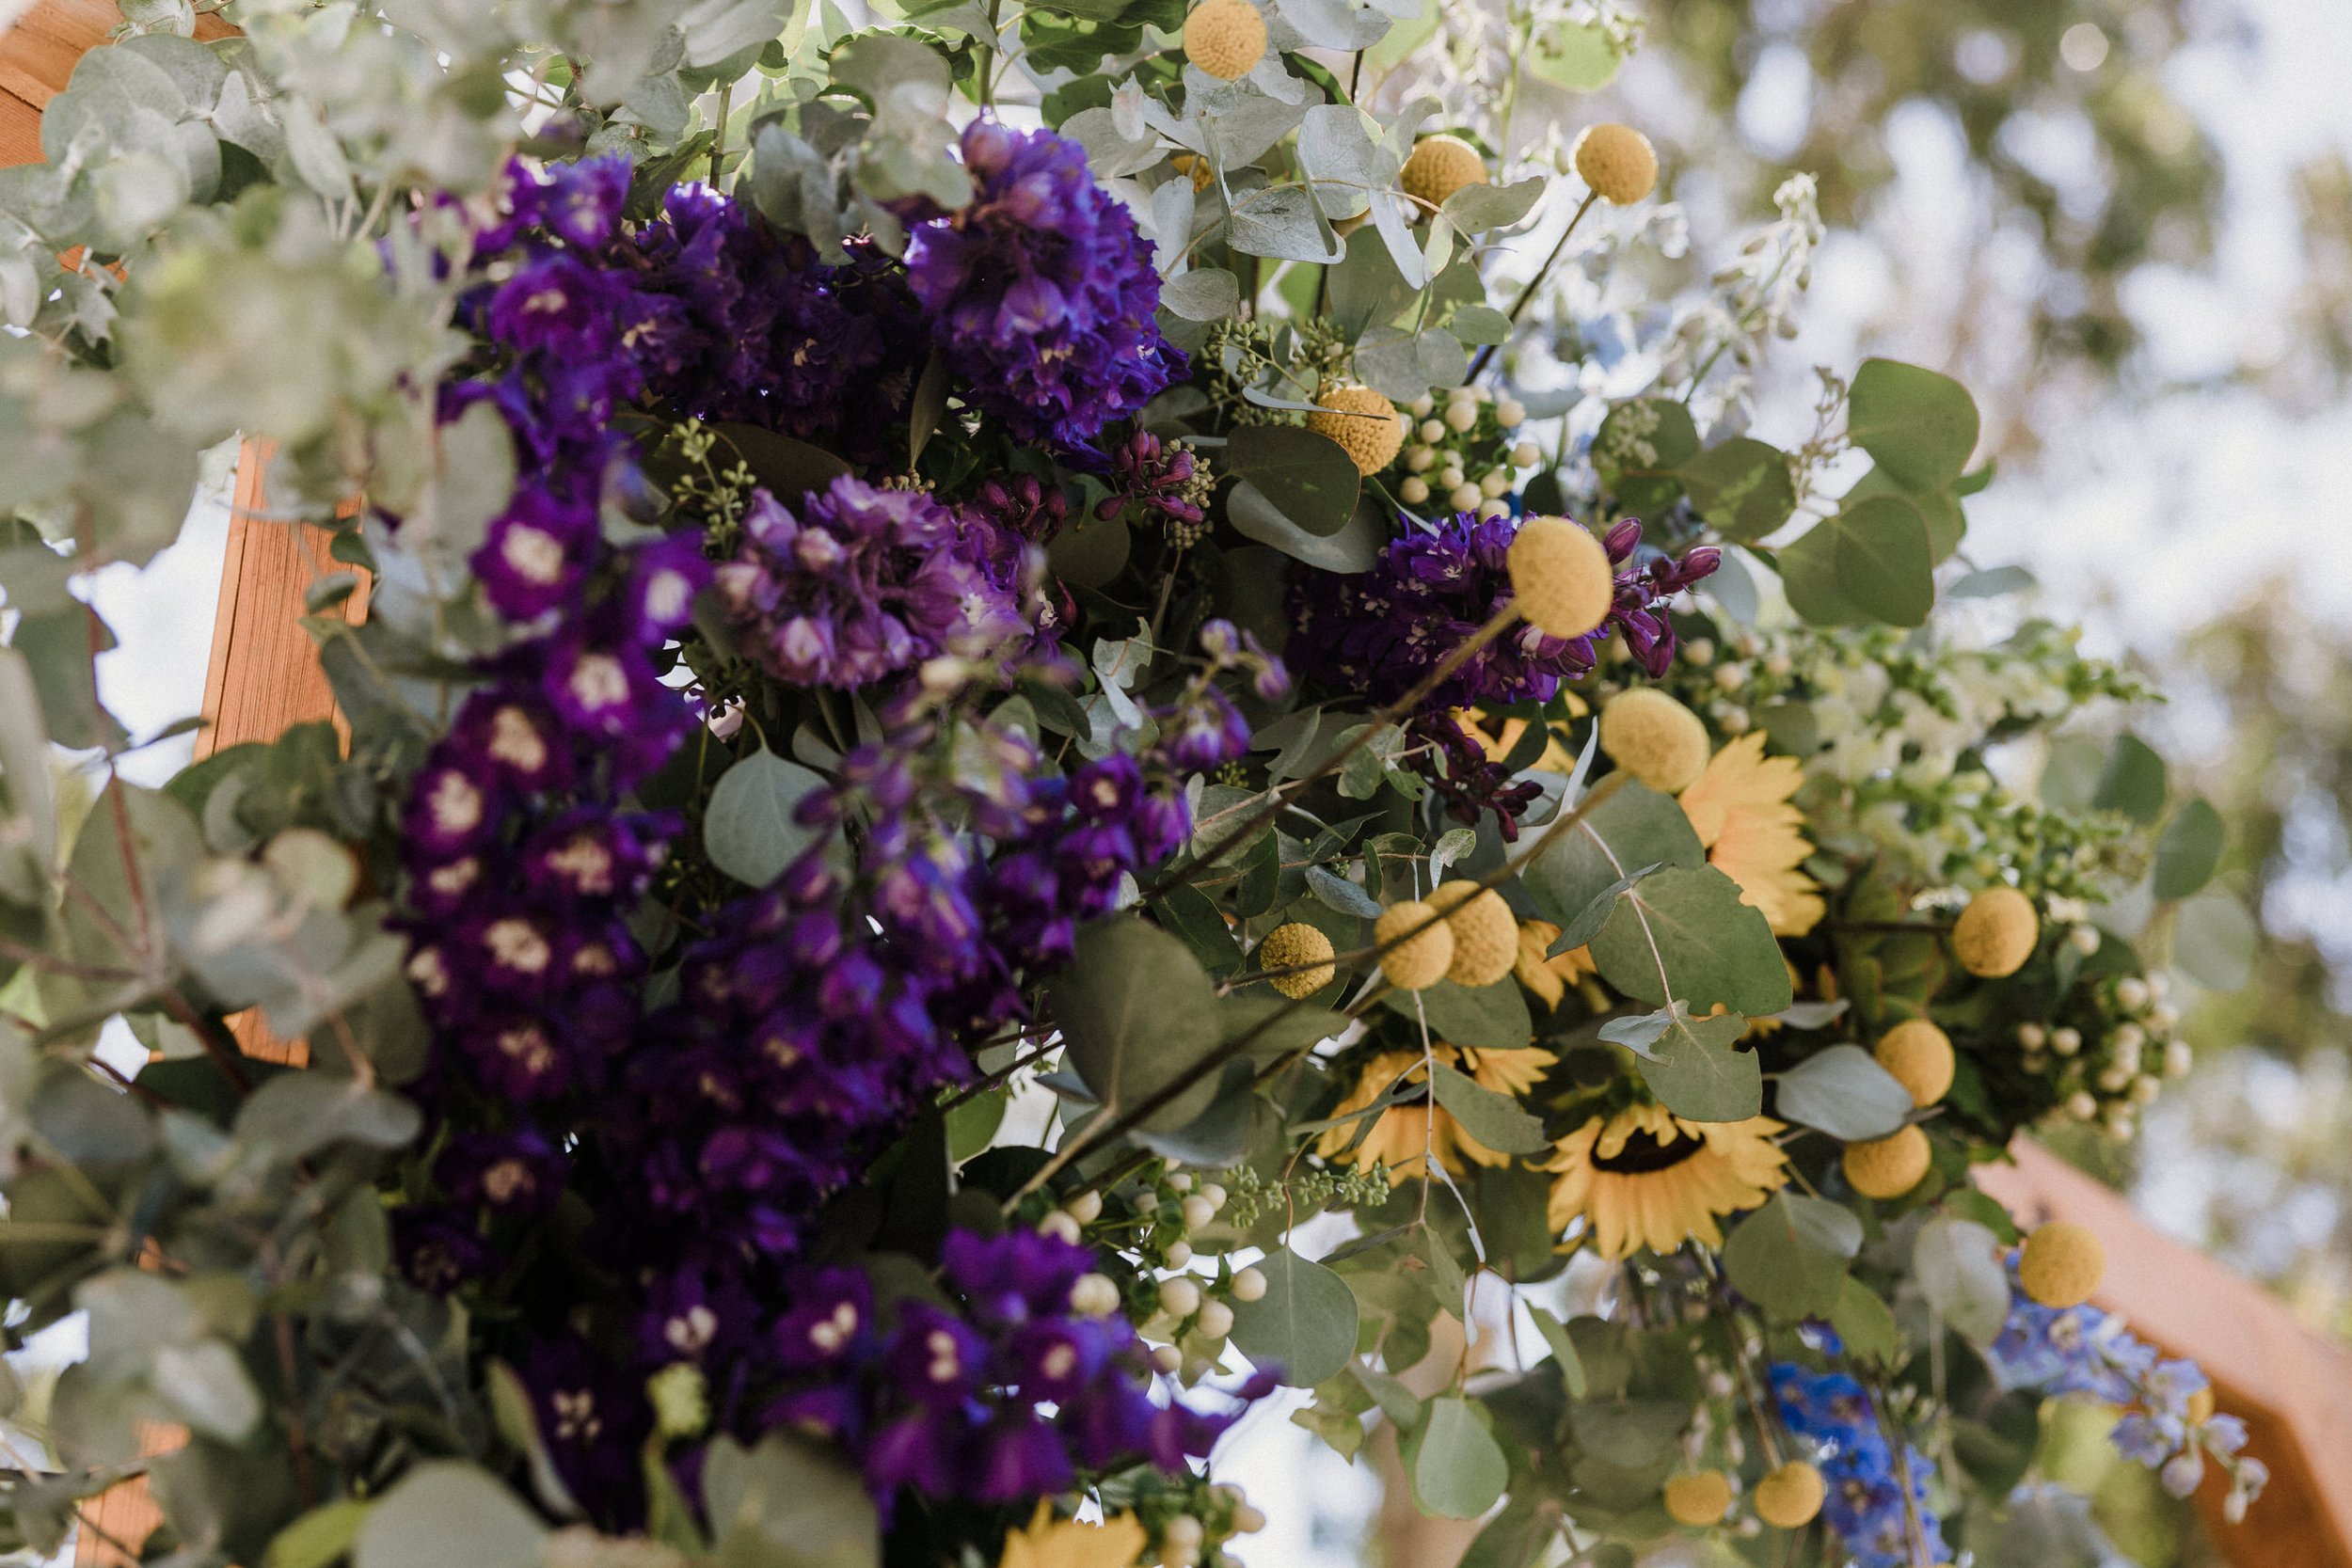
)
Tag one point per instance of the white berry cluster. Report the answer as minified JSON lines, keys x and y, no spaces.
{"x":1461,"y":454}
{"x":2107,"y":1066}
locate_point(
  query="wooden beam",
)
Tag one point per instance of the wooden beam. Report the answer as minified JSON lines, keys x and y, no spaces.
{"x":2293,"y":1387}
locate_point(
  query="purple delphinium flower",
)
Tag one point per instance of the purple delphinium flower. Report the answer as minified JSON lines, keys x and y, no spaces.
{"x":1040,"y":292}
{"x":855,"y":584}
{"x":995,"y":1397}
{"x":1381,"y":632}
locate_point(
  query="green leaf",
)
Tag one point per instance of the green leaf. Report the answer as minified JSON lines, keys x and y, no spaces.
{"x":446,"y":1514}
{"x":1458,"y":1468}
{"x":1865,"y":1322}
{"x":1476,"y":208}
{"x":1515,"y":1537}
{"x":1305,"y":1323}
{"x":2188,"y":852}
{"x":1634,"y":827}
{"x":319,"y":1537}
{"x":1957,"y":1265}
{"x":206,"y":1386}
{"x":1489,"y":1017}
{"x":2134,"y":782}
{"x":1640,"y":449}
{"x":1353,"y":548}
{"x":1809,"y":575}
{"x":1307,"y":476}
{"x":1919,"y":426}
{"x":1742,"y":487}
{"x":789,"y":1501}
{"x":1844,"y":1092}
{"x":2216,"y":940}
{"x":1494,"y":1120}
{"x":1563,"y":1351}
{"x":1203,"y":294}
{"x":1479,"y":323}
{"x":788,"y":468}
{"x":749,"y":829}
{"x":1139,"y":1014}
{"x":1696,"y":1073}
{"x":1712,"y":949}
{"x":1885,"y":561}
{"x":1789,"y":1256}
{"x":1577,"y":55}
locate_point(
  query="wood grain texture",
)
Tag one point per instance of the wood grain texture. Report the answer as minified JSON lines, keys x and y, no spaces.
{"x":2293,"y":1387}
{"x":265,"y":676}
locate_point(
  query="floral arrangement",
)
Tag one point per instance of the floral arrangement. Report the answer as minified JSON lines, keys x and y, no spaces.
{"x":1040,"y":743}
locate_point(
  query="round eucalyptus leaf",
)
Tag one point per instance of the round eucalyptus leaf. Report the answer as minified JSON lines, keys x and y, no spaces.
{"x":1303,"y":1326}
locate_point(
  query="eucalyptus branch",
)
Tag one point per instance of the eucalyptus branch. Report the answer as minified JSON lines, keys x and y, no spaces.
{"x":1519,"y":305}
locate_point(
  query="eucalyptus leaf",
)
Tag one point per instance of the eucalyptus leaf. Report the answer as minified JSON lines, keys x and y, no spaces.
{"x":751,"y":828}
{"x":1918,"y":425}
{"x":1494,"y":1120}
{"x":2186,"y":855}
{"x":1305,"y":1323}
{"x":1697,"y":1072}
{"x":1139,"y":1014}
{"x":1789,"y":1256}
{"x":1458,"y":1468}
{"x":1843,"y":1092}
{"x":446,"y":1514}
{"x":1957,"y":1265}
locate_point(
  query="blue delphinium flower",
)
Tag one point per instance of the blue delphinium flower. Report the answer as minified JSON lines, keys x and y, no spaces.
{"x":1040,"y":292}
{"x":1865,"y":1500}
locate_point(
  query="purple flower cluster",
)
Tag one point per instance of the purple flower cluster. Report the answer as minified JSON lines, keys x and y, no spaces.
{"x":1379,"y":633}
{"x":862,"y":583}
{"x":519,"y":877}
{"x":1865,"y":1501}
{"x":2081,"y":1350}
{"x":1040,"y":292}
{"x":993,"y":1398}
{"x":768,"y":335}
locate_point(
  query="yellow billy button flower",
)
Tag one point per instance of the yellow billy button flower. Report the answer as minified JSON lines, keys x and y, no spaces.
{"x":2062,"y":1263}
{"x":1617,"y":162}
{"x":1790,"y":1496}
{"x":1226,"y":38}
{"x":1192,"y":167}
{"x":1699,"y":1500}
{"x":1046,"y":1542}
{"x":1996,"y":933}
{"x":1485,"y":933}
{"x":1887,"y":1167}
{"x":1364,"y":423}
{"x":1561,"y":578}
{"x":1919,"y":1057}
{"x":1438,"y":167}
{"x":1655,"y":739}
{"x":1421,"y":962}
{"x":1287,"y":947}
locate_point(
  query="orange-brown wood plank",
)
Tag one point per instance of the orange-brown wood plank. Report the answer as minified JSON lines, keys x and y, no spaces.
{"x":2293,"y":1387}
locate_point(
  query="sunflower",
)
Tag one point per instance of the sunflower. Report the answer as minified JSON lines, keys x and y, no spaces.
{"x":1549,"y":977}
{"x":1051,"y":1542}
{"x":1404,"y":1133}
{"x":1501,"y":740}
{"x":1645,"y":1177}
{"x":1740,"y":808}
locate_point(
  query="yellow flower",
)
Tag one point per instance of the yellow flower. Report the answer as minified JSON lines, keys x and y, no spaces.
{"x":1402,"y":1136}
{"x":1644,"y":1177}
{"x":1051,"y":1542}
{"x":1500,"y":741}
{"x":1549,"y":977}
{"x":1740,"y":808}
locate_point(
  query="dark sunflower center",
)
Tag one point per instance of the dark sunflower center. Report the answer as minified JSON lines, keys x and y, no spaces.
{"x":1644,"y":1153}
